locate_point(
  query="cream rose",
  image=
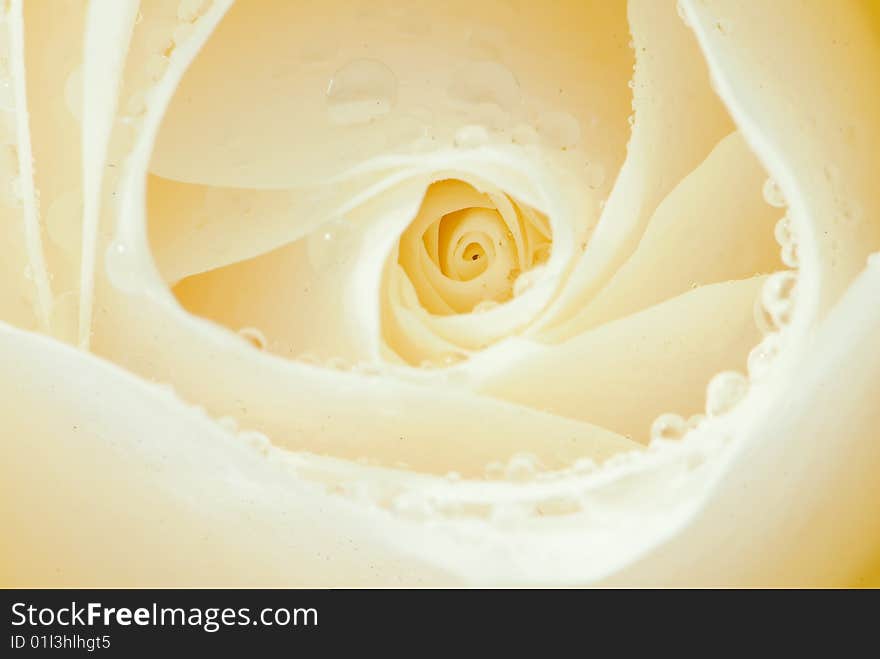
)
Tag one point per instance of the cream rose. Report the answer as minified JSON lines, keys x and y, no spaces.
{"x":373,"y":293}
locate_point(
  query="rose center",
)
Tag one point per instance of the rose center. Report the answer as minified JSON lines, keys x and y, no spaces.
{"x":467,"y":247}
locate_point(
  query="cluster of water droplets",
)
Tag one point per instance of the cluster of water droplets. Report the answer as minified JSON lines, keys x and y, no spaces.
{"x":366,"y":368}
{"x":774,"y":308}
{"x":481,"y":91}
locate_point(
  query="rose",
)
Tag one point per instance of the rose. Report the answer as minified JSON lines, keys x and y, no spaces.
{"x":613,"y":336}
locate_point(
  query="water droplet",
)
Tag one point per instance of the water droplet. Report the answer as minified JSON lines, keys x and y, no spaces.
{"x":470,"y":137}
{"x":762,"y":355}
{"x":782,"y":231}
{"x":120,"y":267}
{"x":790,"y":256}
{"x":777,"y":296}
{"x":361,"y":91}
{"x":725,"y":390}
{"x":521,"y":467}
{"x":668,"y":426}
{"x":323,"y":244}
{"x":772,"y":194}
{"x":559,"y":129}
{"x":253,"y":336}
{"x":486,"y":82}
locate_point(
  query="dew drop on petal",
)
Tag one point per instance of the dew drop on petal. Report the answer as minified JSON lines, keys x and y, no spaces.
{"x":772,"y":194}
{"x":120,"y":267}
{"x":668,"y":426}
{"x":725,"y":390}
{"x":782,"y":232}
{"x":777,"y":296}
{"x":322,"y":245}
{"x":361,"y":91}
{"x":190,"y":10}
{"x":521,"y":467}
{"x":762,"y":355}
{"x":790,"y":256}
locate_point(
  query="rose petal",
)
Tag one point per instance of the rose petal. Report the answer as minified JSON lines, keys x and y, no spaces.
{"x":625,"y":373}
{"x":678,"y":120}
{"x":714,"y":226}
